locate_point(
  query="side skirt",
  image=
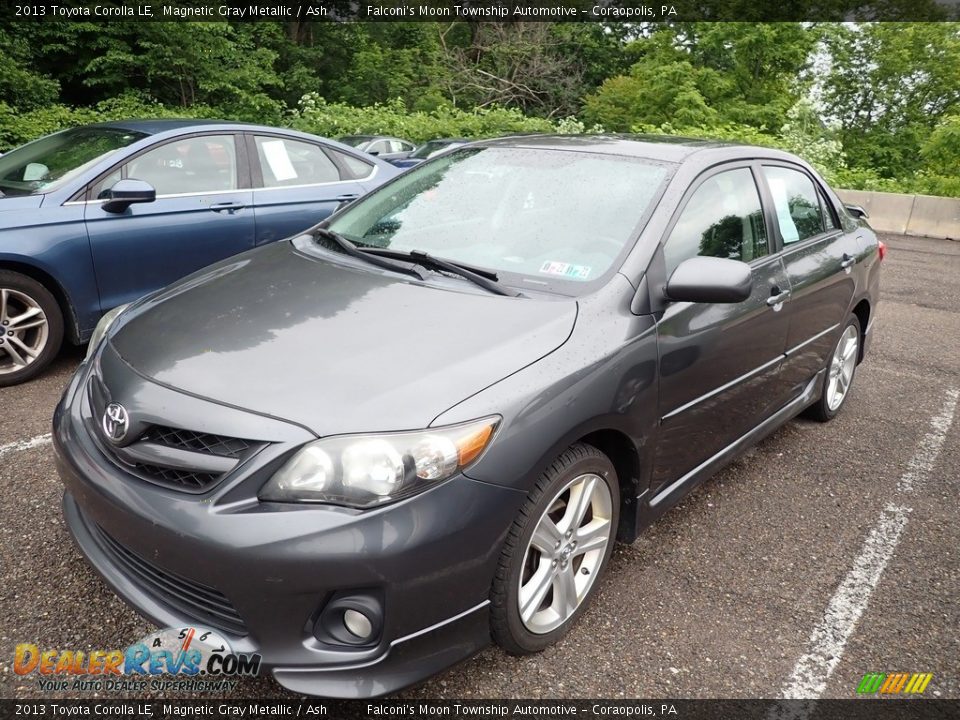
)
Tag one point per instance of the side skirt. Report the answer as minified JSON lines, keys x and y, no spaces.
{"x":649,"y":508}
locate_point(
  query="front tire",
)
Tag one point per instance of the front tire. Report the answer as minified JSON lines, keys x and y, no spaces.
{"x":31,"y":325}
{"x":841,"y":369}
{"x":556,"y":551}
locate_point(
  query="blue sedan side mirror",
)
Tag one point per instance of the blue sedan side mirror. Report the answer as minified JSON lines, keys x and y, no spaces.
{"x":125,"y":193}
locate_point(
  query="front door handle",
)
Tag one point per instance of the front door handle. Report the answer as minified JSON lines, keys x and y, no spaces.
{"x":777,"y":298}
{"x":848,"y":261}
{"x":230,"y":207}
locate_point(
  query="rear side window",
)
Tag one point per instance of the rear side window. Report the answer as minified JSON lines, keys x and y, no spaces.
{"x":723,"y":218}
{"x":795,"y":199}
{"x":354,"y":168}
{"x":286,"y":162}
{"x":829,"y":221}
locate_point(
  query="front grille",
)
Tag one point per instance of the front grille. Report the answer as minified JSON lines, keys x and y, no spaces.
{"x":200,"y":602}
{"x":197,"y":441}
{"x":202,"y":461}
{"x":172,"y":477}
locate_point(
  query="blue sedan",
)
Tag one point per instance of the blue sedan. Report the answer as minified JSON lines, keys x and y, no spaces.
{"x":94,"y":217}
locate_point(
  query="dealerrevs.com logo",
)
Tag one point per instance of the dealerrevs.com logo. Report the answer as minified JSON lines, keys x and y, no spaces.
{"x":188,"y":658}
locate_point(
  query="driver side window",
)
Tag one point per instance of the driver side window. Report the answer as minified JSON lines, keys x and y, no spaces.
{"x":189,"y":165}
{"x":723,"y":218}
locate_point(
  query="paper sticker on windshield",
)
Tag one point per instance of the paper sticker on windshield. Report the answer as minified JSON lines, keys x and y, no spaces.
{"x":567,"y":270}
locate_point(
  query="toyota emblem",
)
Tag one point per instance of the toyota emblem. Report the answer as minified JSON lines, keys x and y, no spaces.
{"x":115,"y":422}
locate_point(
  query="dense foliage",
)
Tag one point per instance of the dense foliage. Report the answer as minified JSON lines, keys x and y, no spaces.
{"x":874,"y":106}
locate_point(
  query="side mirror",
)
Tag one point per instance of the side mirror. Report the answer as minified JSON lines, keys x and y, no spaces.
{"x":125,"y":193}
{"x":710,"y":280}
{"x":857,"y":211}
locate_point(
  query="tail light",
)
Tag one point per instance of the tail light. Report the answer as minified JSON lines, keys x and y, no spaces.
{"x":882,"y":249}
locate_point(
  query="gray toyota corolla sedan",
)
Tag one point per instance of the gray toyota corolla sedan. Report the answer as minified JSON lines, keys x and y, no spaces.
{"x":366,"y":451}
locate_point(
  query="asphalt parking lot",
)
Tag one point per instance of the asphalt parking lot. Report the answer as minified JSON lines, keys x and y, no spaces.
{"x":824,"y":553}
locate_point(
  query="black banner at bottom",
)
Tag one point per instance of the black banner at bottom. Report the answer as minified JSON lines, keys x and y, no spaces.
{"x":855,"y":709}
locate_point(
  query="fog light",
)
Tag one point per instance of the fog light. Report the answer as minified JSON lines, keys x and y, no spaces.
{"x":358,"y":624}
{"x":353,"y":618}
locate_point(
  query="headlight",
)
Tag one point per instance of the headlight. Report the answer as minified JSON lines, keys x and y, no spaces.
{"x":101,"y":329}
{"x":368,"y":470}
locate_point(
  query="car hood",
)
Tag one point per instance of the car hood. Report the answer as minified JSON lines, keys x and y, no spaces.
{"x":335,"y":348}
{"x":13,"y":203}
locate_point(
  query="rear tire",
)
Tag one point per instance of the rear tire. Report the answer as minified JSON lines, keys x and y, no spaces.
{"x":556,"y":551}
{"x":841,"y":369}
{"x":31,"y":325}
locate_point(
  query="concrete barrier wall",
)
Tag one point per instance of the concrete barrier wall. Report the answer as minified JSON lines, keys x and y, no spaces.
{"x":922,"y":215}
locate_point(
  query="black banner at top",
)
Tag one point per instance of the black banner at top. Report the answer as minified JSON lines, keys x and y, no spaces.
{"x":253,"y":709}
{"x":607,"y":11}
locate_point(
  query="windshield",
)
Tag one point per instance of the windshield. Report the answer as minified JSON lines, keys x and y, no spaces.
{"x":46,"y":164}
{"x":552,"y":219}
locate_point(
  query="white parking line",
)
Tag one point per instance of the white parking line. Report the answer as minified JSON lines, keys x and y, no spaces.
{"x":33,"y":442}
{"x":829,"y":637}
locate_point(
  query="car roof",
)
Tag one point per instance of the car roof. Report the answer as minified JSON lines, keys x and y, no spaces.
{"x":372,"y":137}
{"x":664,"y":148}
{"x":172,"y":125}
{"x":158,"y":125}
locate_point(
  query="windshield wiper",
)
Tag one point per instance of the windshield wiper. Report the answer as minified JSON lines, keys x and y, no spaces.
{"x":353,"y":251}
{"x":484,"y":278}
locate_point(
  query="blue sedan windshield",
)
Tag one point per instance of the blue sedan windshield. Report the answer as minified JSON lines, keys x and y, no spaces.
{"x":46,"y":164}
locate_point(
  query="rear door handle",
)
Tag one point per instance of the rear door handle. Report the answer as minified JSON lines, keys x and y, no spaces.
{"x":848,"y":261}
{"x":230,"y":207}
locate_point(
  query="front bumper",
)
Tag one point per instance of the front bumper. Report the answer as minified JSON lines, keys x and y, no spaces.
{"x":430,"y":558}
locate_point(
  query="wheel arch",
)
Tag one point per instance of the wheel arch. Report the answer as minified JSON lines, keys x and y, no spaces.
{"x":862,"y":311}
{"x":625,"y":457}
{"x":56,"y":289}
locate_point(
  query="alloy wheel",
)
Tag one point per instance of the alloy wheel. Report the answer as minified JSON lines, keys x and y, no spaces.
{"x":841,"y":367}
{"x":25,"y":330}
{"x":565,"y":553}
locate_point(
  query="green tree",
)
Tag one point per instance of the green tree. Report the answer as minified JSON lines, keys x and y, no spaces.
{"x":535,"y":67}
{"x":21,"y":86}
{"x":941,"y":150}
{"x":888,"y":86}
{"x":394,"y":60}
{"x":708,"y":73}
{"x":186,"y":64}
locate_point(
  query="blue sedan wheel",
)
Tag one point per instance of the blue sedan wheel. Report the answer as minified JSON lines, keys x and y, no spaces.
{"x":31,"y":325}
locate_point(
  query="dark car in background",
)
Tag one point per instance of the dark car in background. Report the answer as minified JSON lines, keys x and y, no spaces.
{"x":384,"y":147}
{"x":96,"y":216}
{"x":365,"y":451}
{"x":430,"y":149}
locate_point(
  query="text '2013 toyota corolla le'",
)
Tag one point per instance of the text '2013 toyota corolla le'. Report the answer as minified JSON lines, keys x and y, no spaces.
{"x":365,"y":451}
